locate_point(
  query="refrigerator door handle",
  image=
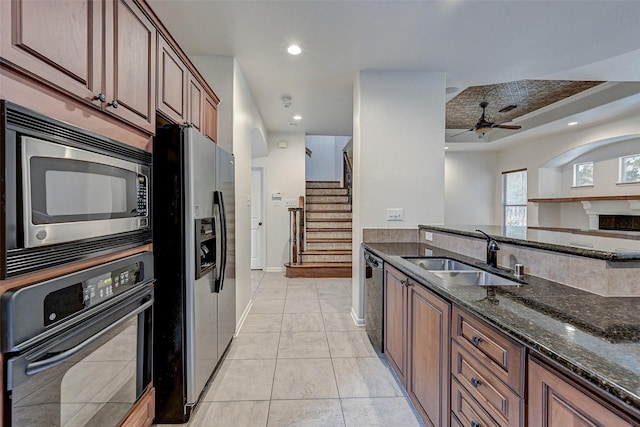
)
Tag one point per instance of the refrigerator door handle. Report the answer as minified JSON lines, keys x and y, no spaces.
{"x":218,"y":200}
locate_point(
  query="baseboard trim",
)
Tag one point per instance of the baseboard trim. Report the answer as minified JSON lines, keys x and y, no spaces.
{"x":245,"y":313}
{"x":274,"y":269}
{"x":357,"y":320}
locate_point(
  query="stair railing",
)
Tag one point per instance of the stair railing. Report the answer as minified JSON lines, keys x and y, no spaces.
{"x":347,"y":174}
{"x":296,"y":233}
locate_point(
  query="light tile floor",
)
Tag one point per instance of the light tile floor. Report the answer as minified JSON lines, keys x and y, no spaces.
{"x":300,"y":360}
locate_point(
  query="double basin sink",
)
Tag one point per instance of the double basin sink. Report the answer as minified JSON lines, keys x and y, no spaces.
{"x":458,"y":273}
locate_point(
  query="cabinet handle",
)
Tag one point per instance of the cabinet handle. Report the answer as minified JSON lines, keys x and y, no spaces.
{"x":475,"y":424}
{"x":113,"y":104}
{"x":475,"y":383}
{"x":476,"y":340}
{"x":404,"y":282}
{"x":100,"y":97}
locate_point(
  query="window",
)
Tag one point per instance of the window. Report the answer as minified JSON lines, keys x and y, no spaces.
{"x":514,"y":198}
{"x":630,"y":168}
{"x":583,"y":174}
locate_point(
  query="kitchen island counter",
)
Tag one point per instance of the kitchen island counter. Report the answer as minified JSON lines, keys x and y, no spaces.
{"x":595,"y":337}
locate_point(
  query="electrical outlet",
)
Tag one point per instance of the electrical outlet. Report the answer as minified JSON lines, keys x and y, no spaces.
{"x":428,"y":236}
{"x":395,"y":214}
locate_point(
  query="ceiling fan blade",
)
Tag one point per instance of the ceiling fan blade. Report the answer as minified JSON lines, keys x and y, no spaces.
{"x":464,"y":131}
{"x":512,"y":127}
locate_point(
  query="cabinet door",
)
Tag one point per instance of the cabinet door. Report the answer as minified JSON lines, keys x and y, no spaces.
{"x":428,"y":382}
{"x":554,"y":402}
{"x":130,"y":64}
{"x":172,"y":83}
{"x":59,"y":42}
{"x":196,"y":99}
{"x":395,"y":320}
{"x":210,"y":118}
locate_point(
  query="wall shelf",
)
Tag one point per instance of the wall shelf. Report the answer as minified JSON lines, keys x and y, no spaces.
{"x":583,"y":199}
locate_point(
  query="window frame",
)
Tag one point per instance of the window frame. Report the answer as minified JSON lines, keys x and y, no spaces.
{"x":504,"y":196}
{"x":621,"y":161}
{"x":575,"y":173}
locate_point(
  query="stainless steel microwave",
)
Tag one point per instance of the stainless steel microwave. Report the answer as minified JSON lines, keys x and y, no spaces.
{"x":69,"y":194}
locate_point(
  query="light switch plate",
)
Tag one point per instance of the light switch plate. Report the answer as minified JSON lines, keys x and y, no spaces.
{"x":428,"y":236}
{"x":395,"y":214}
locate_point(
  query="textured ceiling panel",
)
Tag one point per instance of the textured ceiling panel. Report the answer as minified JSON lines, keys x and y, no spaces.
{"x":463,"y":111}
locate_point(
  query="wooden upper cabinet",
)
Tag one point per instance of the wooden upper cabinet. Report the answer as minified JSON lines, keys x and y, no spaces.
{"x":173,"y":77}
{"x":59,"y":42}
{"x":210,"y":115}
{"x":130,"y":64}
{"x":101,"y":51}
{"x":196,"y":101}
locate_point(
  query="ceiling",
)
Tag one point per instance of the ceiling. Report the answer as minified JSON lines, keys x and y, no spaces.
{"x":475,"y":42}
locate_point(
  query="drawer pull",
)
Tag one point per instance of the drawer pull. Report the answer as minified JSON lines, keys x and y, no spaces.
{"x":475,"y":383}
{"x":404,"y":282}
{"x":476,"y":340}
{"x":475,"y":424}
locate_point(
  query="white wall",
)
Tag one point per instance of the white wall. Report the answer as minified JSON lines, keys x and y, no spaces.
{"x":398,"y":150}
{"x":544,"y":157}
{"x":238,"y":120}
{"x":284,"y":173}
{"x":469,"y":189}
{"x":321,"y":166}
{"x":325,"y":163}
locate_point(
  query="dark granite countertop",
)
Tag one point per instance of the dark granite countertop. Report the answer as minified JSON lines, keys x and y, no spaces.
{"x":626,"y":248}
{"x":596,"y":337}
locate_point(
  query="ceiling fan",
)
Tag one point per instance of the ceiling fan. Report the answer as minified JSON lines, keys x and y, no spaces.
{"x":485,"y":125}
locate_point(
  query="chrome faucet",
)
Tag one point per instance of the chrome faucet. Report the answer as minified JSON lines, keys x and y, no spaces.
{"x":492,"y":250}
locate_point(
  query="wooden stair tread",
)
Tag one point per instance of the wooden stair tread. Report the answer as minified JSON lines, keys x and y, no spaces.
{"x":328,"y":240}
{"x":328,"y":219}
{"x":331,"y":211}
{"x":327,"y":252}
{"x":328,"y":203}
{"x":316,"y":230}
{"x":320,"y":264}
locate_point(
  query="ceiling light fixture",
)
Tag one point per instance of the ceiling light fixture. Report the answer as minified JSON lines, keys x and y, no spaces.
{"x":572,"y":123}
{"x":294,"y":49}
{"x":297,"y":117}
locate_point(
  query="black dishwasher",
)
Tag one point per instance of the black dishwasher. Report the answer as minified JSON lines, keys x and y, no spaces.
{"x":373,"y":299}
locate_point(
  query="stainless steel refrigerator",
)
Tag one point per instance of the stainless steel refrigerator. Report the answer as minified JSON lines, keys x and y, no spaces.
{"x":194,"y":254}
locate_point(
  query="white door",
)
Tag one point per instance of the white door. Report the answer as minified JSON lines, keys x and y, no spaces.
{"x":257,"y":230}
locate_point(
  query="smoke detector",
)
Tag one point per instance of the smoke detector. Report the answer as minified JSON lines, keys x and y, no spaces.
{"x":286,"y":101}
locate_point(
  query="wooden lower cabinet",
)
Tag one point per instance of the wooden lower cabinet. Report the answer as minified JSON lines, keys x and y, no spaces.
{"x":395,"y":320}
{"x":428,"y":354}
{"x":555,"y":401}
{"x":416,"y":337}
{"x":143,"y":412}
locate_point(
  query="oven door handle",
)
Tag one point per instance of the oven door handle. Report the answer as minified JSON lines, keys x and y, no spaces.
{"x":42,"y":365}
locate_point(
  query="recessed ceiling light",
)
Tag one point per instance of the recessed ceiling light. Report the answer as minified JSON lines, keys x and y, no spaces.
{"x":572,"y":123}
{"x":294,"y":49}
{"x":297,"y":117}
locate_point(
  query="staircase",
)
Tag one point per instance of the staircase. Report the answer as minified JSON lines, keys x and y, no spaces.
{"x":327,"y":250}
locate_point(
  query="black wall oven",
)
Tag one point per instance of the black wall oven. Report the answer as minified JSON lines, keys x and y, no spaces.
{"x":77,"y":349}
{"x":68,"y":194}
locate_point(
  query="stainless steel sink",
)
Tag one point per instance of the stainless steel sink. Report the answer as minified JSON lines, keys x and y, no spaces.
{"x":440,"y":264}
{"x":475,"y":278}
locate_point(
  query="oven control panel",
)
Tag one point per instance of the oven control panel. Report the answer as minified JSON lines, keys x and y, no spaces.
{"x":72,"y":299}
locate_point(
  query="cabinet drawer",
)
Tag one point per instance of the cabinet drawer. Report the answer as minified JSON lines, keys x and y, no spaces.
{"x":503,"y":356}
{"x":466,"y":409}
{"x":502,"y":403}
